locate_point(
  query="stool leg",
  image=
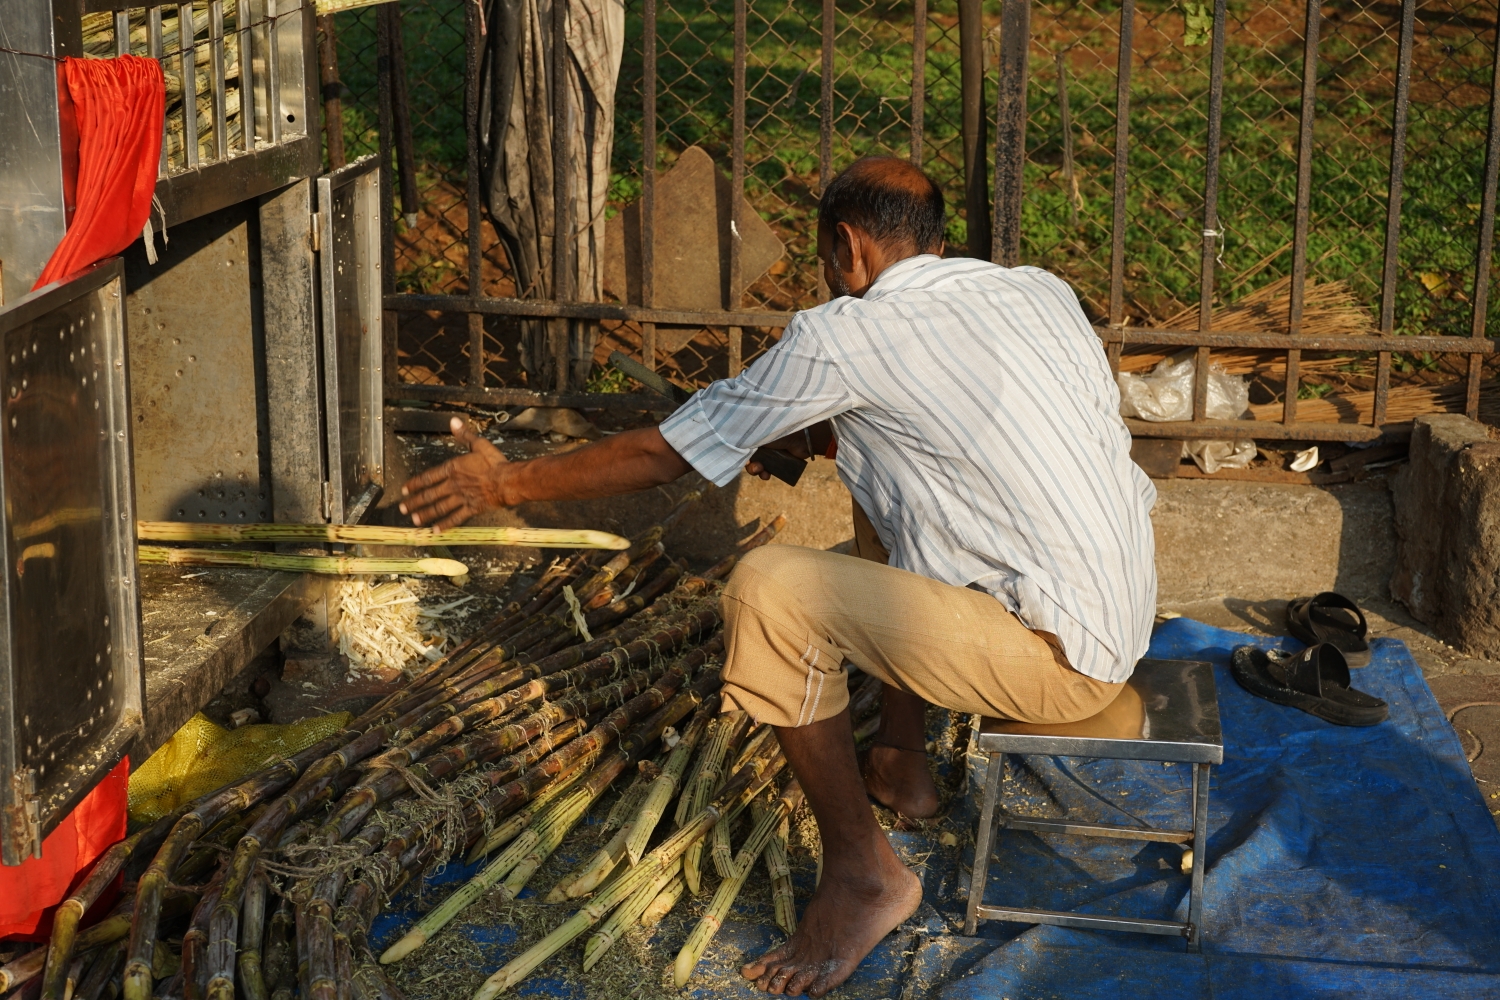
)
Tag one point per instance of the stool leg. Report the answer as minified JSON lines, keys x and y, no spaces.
{"x":984,"y":842}
{"x":1200,"y":854}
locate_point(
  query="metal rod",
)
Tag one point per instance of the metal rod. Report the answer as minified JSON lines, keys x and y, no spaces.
{"x":1065,"y":120}
{"x":648,"y":181}
{"x":1210,"y":206}
{"x":918,"y":77}
{"x":187,"y":63}
{"x":122,"y":32}
{"x":243,"y":16}
{"x":983,"y":842}
{"x":1485,"y":254}
{"x":387,"y":187}
{"x":973,"y":126}
{"x":474,"y":223}
{"x":825,"y":116}
{"x":476,"y":350}
{"x":273,"y":74}
{"x":157,"y":50}
{"x":1399,"y":119}
{"x":1122,"y":162}
{"x":1201,"y":774}
{"x":1471,"y":394}
{"x":1010,"y":131}
{"x":216,"y":67}
{"x":1302,"y":209}
{"x":562,"y":223}
{"x":1282,"y":341}
{"x":406,"y":154}
{"x":333,"y":102}
{"x":737,"y":189}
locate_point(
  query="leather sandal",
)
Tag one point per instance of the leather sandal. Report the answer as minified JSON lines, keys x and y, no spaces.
{"x":1334,"y":619}
{"x":1315,"y":680}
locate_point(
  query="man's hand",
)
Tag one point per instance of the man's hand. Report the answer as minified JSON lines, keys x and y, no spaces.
{"x":796,"y":445}
{"x":451,"y":493}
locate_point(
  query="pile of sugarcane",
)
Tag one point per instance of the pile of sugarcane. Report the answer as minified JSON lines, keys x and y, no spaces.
{"x":610,"y":659}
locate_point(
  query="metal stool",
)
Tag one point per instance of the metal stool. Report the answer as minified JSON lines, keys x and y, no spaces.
{"x":1168,"y":711}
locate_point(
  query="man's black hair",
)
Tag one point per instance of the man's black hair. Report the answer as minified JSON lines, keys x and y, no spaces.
{"x":893,"y":201}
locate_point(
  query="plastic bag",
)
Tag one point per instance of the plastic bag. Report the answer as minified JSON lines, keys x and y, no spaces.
{"x":1167,"y":392}
{"x":202,"y":756}
{"x":1211,"y":456}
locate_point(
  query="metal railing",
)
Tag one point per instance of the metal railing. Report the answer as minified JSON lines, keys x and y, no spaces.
{"x":926,"y":81}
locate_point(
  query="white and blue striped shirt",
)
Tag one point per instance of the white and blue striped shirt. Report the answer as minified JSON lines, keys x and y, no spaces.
{"x":979,"y":427}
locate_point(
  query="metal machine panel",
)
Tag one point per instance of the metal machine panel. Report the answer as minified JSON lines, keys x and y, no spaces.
{"x":349,"y":263}
{"x":71,"y":688}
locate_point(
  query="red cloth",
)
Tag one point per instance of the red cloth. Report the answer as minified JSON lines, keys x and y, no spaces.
{"x":30,"y":891}
{"x":120,"y":105}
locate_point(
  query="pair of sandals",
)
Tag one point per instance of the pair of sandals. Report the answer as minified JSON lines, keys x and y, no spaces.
{"x":1315,"y":680}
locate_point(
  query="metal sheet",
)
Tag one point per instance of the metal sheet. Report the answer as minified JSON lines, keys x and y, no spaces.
{"x":70,"y":670}
{"x":1168,"y":710}
{"x":200,"y":438}
{"x":349,"y":263}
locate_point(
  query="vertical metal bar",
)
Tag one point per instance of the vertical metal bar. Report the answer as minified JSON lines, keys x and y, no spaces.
{"x":476,"y":350}
{"x":406,"y":155}
{"x":648,"y":180}
{"x":187,"y":63}
{"x":1122,"y":162}
{"x":973,"y":126}
{"x":122,"y":32}
{"x":273,"y":73}
{"x":216,"y":68}
{"x":1302,"y":209}
{"x":1201,"y":776}
{"x":737,"y":189}
{"x":1210,"y":206}
{"x":983,"y":842}
{"x":561,"y":216}
{"x":918,"y":77}
{"x":157,"y":50}
{"x":1471,"y":394}
{"x":333,"y":102}
{"x":473,"y":226}
{"x":1486,"y":251}
{"x":246,"y":54}
{"x":1065,"y":119}
{"x":825,"y":117}
{"x":1010,"y":131}
{"x":1399,"y":118}
{"x":387,"y":187}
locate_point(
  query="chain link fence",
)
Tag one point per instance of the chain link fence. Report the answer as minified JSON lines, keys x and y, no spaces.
{"x":1069,"y":169}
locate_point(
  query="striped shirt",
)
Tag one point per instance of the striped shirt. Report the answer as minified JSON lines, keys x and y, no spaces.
{"x":979,"y":427}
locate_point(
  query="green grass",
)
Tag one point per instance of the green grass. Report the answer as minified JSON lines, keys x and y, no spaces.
{"x":1169,"y":100}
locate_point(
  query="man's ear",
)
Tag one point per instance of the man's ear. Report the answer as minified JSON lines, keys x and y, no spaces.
{"x":846,"y":237}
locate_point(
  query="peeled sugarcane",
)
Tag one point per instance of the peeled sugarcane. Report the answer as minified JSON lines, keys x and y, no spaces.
{"x":549,"y":828}
{"x":663,"y":903}
{"x":766,"y":825}
{"x":734,"y":727}
{"x":722,"y":847}
{"x":160,"y":555}
{"x":355,"y":534}
{"x":625,"y":917}
{"x":780,"y":871}
{"x":746,"y":783}
{"x":643,"y":824}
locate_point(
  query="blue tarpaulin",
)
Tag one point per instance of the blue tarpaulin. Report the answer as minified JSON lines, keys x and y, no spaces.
{"x":1341,"y":862}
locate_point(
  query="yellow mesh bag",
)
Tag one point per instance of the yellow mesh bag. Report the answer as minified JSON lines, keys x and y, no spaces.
{"x":202,"y":756}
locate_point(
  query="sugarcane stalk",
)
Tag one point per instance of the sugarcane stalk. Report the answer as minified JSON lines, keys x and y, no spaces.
{"x":111,"y":959}
{"x":160,"y":555}
{"x":626,"y":915}
{"x":780,"y":871}
{"x":252,"y":929}
{"x":746,"y":783}
{"x":664,"y":787}
{"x":629,"y":801}
{"x":195,"y":941}
{"x":71,"y":910}
{"x":588,"y":878}
{"x":722,"y":850}
{"x":731,"y":736}
{"x":761,"y":834}
{"x":663,"y":903}
{"x":519,"y":820}
{"x":354,"y":534}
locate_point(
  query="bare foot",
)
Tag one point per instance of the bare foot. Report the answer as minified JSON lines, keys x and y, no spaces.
{"x":899,"y":779}
{"x":844,"y":921}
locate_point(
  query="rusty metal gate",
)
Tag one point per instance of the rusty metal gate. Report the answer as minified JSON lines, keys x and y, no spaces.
{"x":1304,"y":194}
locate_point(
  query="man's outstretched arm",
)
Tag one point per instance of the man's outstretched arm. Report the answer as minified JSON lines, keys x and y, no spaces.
{"x":451,"y":493}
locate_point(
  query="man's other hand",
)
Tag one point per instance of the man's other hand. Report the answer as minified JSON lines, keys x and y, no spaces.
{"x":449,"y":494}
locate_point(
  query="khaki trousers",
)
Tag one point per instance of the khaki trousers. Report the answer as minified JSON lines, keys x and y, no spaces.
{"x":794,"y":617}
